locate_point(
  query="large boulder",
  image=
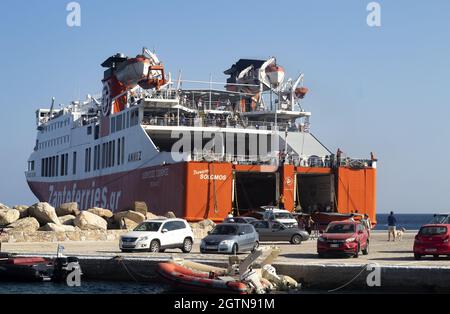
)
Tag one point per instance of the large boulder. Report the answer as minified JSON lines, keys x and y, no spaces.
{"x":131,"y":215}
{"x":26,"y":225}
{"x":56,"y":228}
{"x":67,"y":209}
{"x":8,"y":216}
{"x":206,"y":224}
{"x":44,"y":213}
{"x":67,"y":220}
{"x":150,"y":215}
{"x":128,"y":224}
{"x":104,"y":213}
{"x":23,"y":210}
{"x":90,"y":221}
{"x":140,"y":207}
{"x":170,"y":215}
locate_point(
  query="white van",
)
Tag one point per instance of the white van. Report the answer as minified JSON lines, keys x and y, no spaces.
{"x":280,"y":215}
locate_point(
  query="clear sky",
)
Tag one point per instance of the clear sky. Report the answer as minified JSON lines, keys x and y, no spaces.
{"x":382,"y":89}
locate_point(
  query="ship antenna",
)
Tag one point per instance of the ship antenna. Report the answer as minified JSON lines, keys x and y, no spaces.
{"x":51,"y":107}
{"x":179,"y":80}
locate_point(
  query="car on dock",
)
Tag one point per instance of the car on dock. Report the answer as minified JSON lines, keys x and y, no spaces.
{"x":440,"y":219}
{"x":432,"y":239}
{"x":344,"y":237}
{"x":274,"y":231}
{"x":156,"y":235}
{"x":240,"y":220}
{"x":230,"y":238}
{"x":282,"y":216}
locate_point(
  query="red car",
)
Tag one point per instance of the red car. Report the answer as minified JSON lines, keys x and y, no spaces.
{"x":432,"y":239}
{"x":344,"y":237}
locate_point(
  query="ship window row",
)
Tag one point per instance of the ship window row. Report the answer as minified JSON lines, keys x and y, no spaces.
{"x":53,"y":166}
{"x":54,"y":142}
{"x":124,"y":120}
{"x":56,"y":125}
{"x":106,"y":155}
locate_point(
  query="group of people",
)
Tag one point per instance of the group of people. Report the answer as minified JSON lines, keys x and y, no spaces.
{"x":306,"y":223}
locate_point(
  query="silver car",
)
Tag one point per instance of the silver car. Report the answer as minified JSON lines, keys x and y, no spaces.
{"x":230,"y":238}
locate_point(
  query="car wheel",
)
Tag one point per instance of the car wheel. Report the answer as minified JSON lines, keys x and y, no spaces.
{"x":154,"y":246}
{"x":234,"y":249}
{"x":366,"y":249}
{"x":356,"y":255}
{"x":255,"y":246}
{"x":296,"y":239}
{"x":321,"y":255}
{"x":187,"y":245}
{"x":417,"y":256}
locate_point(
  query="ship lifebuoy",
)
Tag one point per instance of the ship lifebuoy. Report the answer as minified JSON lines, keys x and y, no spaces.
{"x":106,"y":99}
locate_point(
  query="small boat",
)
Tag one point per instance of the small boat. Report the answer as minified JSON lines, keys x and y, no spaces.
{"x":187,"y":279}
{"x":25,"y":269}
{"x":240,"y":277}
{"x":34,"y":269}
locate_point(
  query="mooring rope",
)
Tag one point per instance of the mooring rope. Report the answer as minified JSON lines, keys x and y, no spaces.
{"x":120,"y":260}
{"x":129,"y":270}
{"x":353,"y":279}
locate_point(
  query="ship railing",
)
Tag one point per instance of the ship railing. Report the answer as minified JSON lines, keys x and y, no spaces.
{"x":30,"y":174}
{"x":84,"y":121}
{"x":312,"y":161}
{"x":356,"y":163}
{"x":235,"y":159}
{"x":219,"y":122}
{"x":154,"y":94}
{"x":328,"y":161}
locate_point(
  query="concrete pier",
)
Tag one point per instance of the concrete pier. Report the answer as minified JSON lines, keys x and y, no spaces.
{"x":389,"y":264}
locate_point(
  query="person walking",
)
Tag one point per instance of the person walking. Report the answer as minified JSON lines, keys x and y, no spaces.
{"x":309,"y":224}
{"x":281,"y":201}
{"x":392,"y":226}
{"x":367,"y":223}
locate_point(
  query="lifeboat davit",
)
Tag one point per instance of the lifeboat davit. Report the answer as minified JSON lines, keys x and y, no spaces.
{"x":187,"y":279}
{"x":275,"y":73}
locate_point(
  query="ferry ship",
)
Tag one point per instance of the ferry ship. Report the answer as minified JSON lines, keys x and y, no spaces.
{"x":200,"y":152}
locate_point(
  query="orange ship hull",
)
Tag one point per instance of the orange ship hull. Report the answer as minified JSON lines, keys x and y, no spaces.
{"x":200,"y":190}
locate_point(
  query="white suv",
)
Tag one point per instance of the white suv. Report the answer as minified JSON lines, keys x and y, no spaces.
{"x":156,"y":235}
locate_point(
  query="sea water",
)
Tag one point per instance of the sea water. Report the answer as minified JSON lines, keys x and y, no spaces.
{"x":87,"y":287}
{"x":407,"y":221}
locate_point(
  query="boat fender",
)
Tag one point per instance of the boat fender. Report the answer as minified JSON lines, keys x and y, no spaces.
{"x":254,"y":280}
{"x":289,"y":282}
{"x":269,"y":272}
{"x":267,"y":284}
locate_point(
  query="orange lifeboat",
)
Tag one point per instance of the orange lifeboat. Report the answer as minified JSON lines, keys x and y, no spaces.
{"x":300,"y":92}
{"x":187,"y":279}
{"x":140,"y":71}
{"x":275,"y":73}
